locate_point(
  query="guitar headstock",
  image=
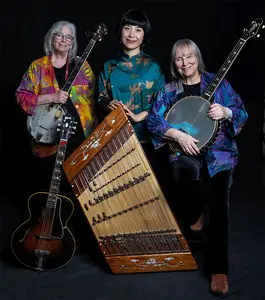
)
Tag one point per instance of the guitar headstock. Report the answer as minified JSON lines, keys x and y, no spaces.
{"x":67,"y":127}
{"x":102,"y":29}
{"x":252,"y":29}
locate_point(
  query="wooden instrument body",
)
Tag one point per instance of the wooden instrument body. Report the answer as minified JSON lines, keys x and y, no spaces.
{"x":123,"y":202}
{"x":47,"y":246}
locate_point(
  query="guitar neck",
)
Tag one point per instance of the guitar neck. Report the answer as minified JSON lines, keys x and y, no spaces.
{"x":208,"y":94}
{"x":77,"y":68}
{"x":56,"y":175}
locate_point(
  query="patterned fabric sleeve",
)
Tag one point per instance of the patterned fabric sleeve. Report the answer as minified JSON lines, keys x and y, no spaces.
{"x":158,"y":85}
{"x":104,"y":97}
{"x":155,"y":121}
{"x":28,"y":90}
{"x":82,"y":94}
{"x":91,"y":81}
{"x":239,"y":114}
{"x":160,"y":81}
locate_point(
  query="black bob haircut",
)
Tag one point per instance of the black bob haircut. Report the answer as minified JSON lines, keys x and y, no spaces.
{"x":135,"y":17}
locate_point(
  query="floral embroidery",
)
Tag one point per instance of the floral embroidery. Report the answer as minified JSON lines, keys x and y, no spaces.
{"x":127,"y":64}
{"x":143,"y":60}
{"x":134,"y":81}
{"x":149,"y":84}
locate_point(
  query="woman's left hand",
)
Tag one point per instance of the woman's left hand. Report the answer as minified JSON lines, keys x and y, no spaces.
{"x":218,"y":112}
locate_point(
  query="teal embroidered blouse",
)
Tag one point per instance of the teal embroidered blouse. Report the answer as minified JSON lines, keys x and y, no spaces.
{"x":135,"y":81}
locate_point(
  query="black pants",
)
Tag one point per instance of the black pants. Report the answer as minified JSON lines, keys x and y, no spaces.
{"x":190,"y":174}
{"x":160,"y":166}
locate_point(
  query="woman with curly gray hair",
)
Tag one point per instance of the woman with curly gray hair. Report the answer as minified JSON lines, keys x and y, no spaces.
{"x":43,"y":82}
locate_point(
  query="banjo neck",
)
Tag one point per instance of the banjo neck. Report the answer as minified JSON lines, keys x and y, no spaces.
{"x":248,"y":33}
{"x":97,"y":36}
{"x":208,"y":94}
{"x":69,"y":82}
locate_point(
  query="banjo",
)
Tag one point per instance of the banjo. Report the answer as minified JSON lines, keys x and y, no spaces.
{"x":42,"y":126}
{"x":189,"y":114}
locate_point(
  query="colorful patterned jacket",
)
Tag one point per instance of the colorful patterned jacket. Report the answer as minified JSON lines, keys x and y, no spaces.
{"x":39,"y":79}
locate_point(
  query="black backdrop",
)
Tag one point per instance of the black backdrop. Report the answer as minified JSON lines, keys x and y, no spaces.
{"x":215,"y":26}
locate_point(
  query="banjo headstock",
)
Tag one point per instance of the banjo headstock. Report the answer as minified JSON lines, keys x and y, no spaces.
{"x":252,"y":29}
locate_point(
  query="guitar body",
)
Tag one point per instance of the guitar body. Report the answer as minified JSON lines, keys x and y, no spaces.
{"x":44,"y":242}
{"x":42,"y":126}
{"x":189,"y":115}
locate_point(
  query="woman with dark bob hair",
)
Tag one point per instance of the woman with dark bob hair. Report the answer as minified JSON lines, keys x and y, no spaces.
{"x":133,"y":78}
{"x":137,"y":18}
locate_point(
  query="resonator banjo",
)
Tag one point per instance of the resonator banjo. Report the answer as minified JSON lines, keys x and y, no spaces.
{"x":42,"y":126}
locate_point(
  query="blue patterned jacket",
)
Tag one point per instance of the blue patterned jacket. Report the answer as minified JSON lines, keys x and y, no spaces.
{"x":223,"y":154}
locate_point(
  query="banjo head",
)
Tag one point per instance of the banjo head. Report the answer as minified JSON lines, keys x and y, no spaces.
{"x":43,"y":125}
{"x":189,"y":115}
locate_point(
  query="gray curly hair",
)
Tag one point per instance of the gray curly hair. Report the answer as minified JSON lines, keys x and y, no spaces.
{"x":57,"y":27}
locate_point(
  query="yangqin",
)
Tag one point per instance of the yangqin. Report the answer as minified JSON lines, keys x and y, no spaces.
{"x":123,"y":202}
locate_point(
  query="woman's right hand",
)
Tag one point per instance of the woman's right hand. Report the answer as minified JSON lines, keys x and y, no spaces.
{"x":59,"y":97}
{"x":114,"y":104}
{"x":187,"y":143}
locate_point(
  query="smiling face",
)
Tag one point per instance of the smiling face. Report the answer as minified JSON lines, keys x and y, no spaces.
{"x":187,"y":65}
{"x":132,"y":37}
{"x":63,"y":40}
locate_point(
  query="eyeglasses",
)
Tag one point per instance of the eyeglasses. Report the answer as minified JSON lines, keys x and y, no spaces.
{"x":59,"y":36}
{"x":188,"y":58}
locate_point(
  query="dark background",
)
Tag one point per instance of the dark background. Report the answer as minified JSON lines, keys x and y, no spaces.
{"x":216,"y":27}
